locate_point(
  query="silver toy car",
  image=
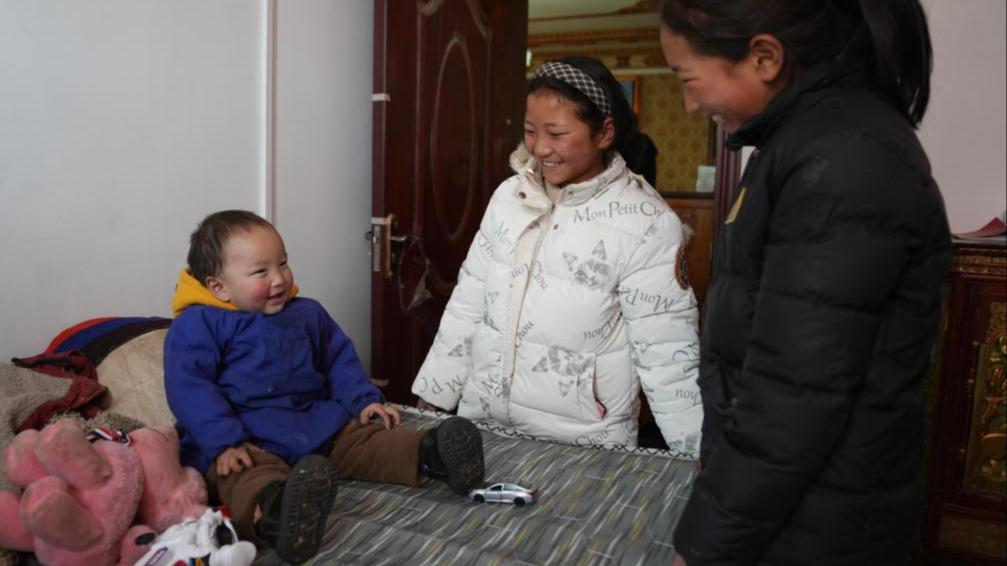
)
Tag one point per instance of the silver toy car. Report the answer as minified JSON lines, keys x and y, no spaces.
{"x":504,"y":493}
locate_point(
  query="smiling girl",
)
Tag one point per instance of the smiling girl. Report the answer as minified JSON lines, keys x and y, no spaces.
{"x":573,"y":295}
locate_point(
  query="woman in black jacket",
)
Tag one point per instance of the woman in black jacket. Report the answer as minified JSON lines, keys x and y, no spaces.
{"x":824,"y":304}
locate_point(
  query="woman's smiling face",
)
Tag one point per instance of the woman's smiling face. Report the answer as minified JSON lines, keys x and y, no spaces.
{"x":728,"y":92}
{"x":561,"y":142}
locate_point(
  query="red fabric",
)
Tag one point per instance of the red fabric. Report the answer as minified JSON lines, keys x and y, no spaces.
{"x":81,"y":396}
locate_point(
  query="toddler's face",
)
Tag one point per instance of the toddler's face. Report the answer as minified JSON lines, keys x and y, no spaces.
{"x":255,"y":276}
{"x":561,"y":142}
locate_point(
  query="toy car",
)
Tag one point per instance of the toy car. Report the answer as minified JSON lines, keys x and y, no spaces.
{"x":504,"y":493}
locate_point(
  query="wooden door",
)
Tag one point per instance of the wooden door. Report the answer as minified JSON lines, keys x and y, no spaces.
{"x":449,"y":79}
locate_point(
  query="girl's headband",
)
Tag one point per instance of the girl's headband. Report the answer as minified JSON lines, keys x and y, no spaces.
{"x":579,"y":80}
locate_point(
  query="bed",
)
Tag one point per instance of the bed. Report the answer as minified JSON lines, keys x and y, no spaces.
{"x":596,"y":506}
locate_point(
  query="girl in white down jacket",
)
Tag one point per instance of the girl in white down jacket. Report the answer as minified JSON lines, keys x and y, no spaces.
{"x":573,"y":295}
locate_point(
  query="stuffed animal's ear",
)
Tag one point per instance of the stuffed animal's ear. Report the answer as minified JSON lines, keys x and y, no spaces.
{"x":64,"y":450}
{"x":21,"y":465}
{"x":50,"y":511}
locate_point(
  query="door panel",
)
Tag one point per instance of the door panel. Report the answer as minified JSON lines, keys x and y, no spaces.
{"x":449,"y":89}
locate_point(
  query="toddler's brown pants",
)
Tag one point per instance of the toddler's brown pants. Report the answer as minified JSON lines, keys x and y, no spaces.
{"x":361,"y":452}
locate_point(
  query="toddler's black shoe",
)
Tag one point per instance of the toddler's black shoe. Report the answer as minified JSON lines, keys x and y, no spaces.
{"x":294,"y":511}
{"x":453,"y":451}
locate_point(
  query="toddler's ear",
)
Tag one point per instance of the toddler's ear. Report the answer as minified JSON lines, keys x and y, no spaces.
{"x":218,"y":289}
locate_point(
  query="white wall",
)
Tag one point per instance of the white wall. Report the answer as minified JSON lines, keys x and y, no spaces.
{"x":964,"y":129}
{"x":323,"y":174}
{"x":124,"y":122}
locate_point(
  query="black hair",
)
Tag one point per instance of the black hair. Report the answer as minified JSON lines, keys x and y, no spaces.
{"x":626,"y":134}
{"x":206,"y":244}
{"x":899,"y":59}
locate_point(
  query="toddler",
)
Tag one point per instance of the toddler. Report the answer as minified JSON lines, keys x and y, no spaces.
{"x":272,"y":401}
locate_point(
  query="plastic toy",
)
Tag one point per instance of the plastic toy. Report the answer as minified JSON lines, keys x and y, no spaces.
{"x":504,"y":493}
{"x":209,"y":539}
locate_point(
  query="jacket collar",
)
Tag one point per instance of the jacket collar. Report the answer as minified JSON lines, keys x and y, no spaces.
{"x":189,"y":292}
{"x":574,"y":194}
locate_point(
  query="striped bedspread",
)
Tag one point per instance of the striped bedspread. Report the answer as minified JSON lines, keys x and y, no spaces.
{"x":596,"y":506}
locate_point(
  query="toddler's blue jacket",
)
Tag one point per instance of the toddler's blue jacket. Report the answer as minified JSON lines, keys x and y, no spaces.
{"x":286,"y":382}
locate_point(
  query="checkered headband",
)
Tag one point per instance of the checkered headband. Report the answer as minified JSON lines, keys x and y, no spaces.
{"x":579,"y":80}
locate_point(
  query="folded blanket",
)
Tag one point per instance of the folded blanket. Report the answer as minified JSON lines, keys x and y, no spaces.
{"x":22,"y":391}
{"x":83,"y":392}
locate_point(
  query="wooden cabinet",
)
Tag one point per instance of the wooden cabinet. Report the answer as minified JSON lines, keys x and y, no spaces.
{"x":966,"y":495}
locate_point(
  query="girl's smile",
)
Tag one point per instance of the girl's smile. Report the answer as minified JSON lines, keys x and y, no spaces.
{"x":561,"y":142}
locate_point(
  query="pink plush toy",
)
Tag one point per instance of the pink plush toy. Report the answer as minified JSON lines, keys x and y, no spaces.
{"x":85,"y":503}
{"x":170,"y":492}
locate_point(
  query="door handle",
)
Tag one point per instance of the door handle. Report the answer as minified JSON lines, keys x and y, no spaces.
{"x":381,"y":235}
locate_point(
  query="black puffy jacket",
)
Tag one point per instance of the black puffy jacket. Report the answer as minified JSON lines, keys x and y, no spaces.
{"x":819,"y":324}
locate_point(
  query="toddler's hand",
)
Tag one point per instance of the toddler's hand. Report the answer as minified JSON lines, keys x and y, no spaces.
{"x":234,"y":459}
{"x":387,"y":413}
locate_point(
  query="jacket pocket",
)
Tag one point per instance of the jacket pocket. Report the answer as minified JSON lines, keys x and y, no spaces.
{"x":557,"y":381}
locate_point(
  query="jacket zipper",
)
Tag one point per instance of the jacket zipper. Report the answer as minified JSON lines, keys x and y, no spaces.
{"x":516,"y":312}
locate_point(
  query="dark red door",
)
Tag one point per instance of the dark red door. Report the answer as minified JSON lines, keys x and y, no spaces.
{"x":448,"y":101}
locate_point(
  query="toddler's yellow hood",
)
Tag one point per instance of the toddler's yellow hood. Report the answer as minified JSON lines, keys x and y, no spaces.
{"x":190,"y":292}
